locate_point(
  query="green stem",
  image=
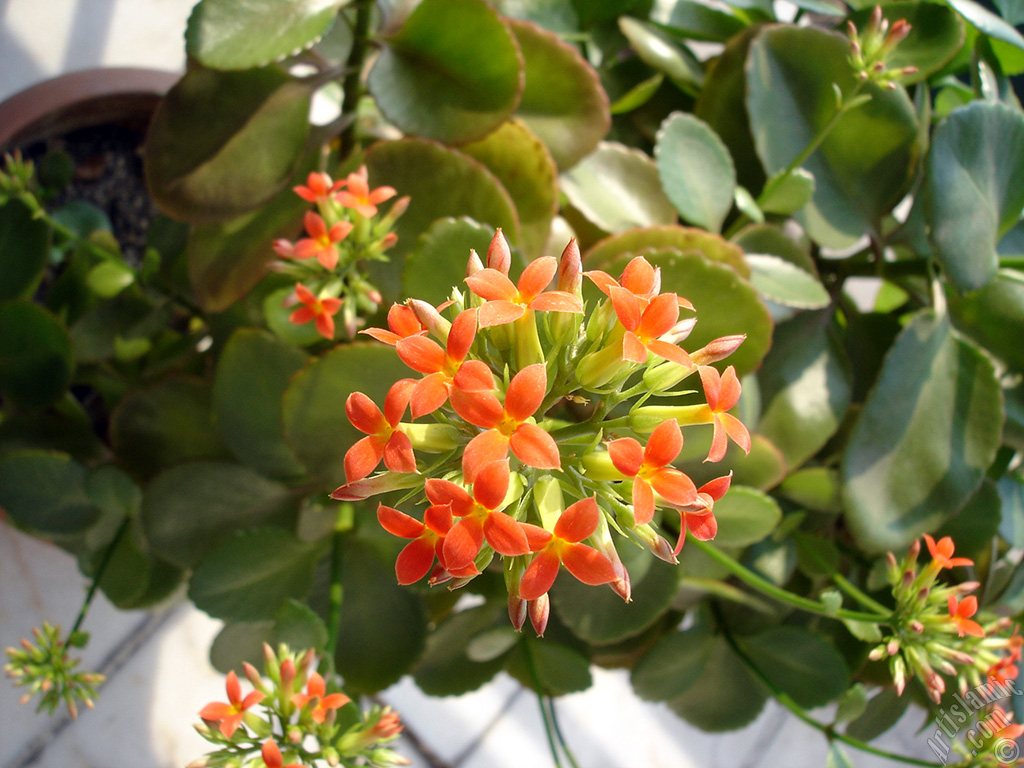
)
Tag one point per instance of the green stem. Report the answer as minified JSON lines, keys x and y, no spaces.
{"x":352,"y":85}
{"x":548,"y":728}
{"x":782,"y":595}
{"x":104,"y":562}
{"x":336,"y":593}
{"x":827,"y":730}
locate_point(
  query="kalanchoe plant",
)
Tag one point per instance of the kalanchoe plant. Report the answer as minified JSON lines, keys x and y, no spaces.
{"x":731,"y":179}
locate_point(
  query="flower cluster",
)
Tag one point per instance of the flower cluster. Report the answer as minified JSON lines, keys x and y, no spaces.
{"x":290,"y":716}
{"x":871,"y":49}
{"x":936,"y":631}
{"x":342,"y":232}
{"x":46,"y":668}
{"x":534,"y":395}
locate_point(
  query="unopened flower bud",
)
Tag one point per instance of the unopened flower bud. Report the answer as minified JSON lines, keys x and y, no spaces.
{"x":917,"y":626}
{"x":540,"y":610}
{"x":655,"y":543}
{"x":287,"y":673}
{"x":892,"y":647}
{"x":570,"y":270}
{"x":718,"y":349}
{"x":253,"y":675}
{"x":499,"y":256}
{"x":473,"y":264}
{"x":431,"y":319}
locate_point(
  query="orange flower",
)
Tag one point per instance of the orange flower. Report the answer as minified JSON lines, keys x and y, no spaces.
{"x":506,"y":302}
{"x":722,"y":392}
{"x":229,"y":714}
{"x":639,"y":278}
{"x":402,"y":322}
{"x":506,"y":426}
{"x":318,"y":188}
{"x":322,"y":242}
{"x":320,"y":310}
{"x":272,"y":756}
{"x":645,"y":325}
{"x":384,"y":439}
{"x":359,"y":197}
{"x":942,"y":552}
{"x":444,"y":368}
{"x":322,"y":705}
{"x":479,"y":519}
{"x":415,"y":559}
{"x":698,"y":518}
{"x":960,"y":614}
{"x":650,"y":470}
{"x":562,"y":546}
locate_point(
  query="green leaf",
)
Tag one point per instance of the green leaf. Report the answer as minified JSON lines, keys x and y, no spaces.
{"x":865,"y":163}
{"x":297,"y":626}
{"x":985,"y":21}
{"x":882,"y":713}
{"x":745,"y":515}
{"x":446,"y":668}
{"x":253,"y":373}
{"x":563,"y":102}
{"x":617,"y":188}
{"x":109,"y":278}
{"x":928,"y":432}
{"x":639,"y":242}
{"x":524,"y":167}
{"x":1011,"y":495}
{"x":172,"y":422}
{"x":134,"y":577}
{"x":439,"y":262}
{"x":452,"y":72}
{"x":977,"y":522}
{"x":383,"y":625}
{"x":559,"y":668}
{"x":695,"y":169}
{"x":314,"y":404}
{"x":974,"y":189}
{"x":696,"y":21}
{"x":187,"y":508}
{"x":837,"y":757}
{"x":802,"y":664}
{"x":669,"y":668}
{"x":852,"y":704}
{"x":45,"y":492}
{"x":598,"y":615}
{"x":767,"y":238}
{"x":725,"y":696}
{"x":783,"y":283}
{"x":23,"y":248}
{"x":249,"y":576}
{"x":224,"y":143}
{"x":664,"y":53}
{"x":240,"y":34}
{"x":805,"y":387}
{"x":787,"y":193}
{"x":815,"y":488}
{"x":638,"y":95}
{"x":35,"y":355}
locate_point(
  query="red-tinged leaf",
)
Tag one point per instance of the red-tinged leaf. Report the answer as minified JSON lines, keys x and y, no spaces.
{"x":362,"y":458}
{"x":664,"y":444}
{"x":421,"y":354}
{"x":491,"y":484}
{"x":535,"y":447}
{"x":414,"y":561}
{"x":540,"y":574}
{"x":482,"y":450}
{"x":397,"y":523}
{"x":578,"y":521}
{"x":643,"y":502}
{"x":627,"y":455}
{"x":526,"y":391}
{"x":505,"y":535}
{"x":588,"y":565}
{"x":480,"y":408}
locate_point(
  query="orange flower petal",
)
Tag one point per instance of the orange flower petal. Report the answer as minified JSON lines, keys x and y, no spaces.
{"x":421,"y":354}
{"x":446,"y":493}
{"x":491,"y":285}
{"x":578,"y":521}
{"x":398,"y":453}
{"x":364,"y":414}
{"x":633,"y":349}
{"x":674,"y":486}
{"x":397,"y":523}
{"x":536,"y":277}
{"x":474,"y":376}
{"x":639,"y":277}
{"x":461,"y":335}
{"x":500,"y":312}
{"x":414,"y":561}
{"x":505,"y":535}
{"x":463,"y":543}
{"x":664,"y":444}
{"x":643,"y":502}
{"x":588,"y":565}
{"x":481,"y":450}
{"x":362,"y":458}
{"x":556,"y":301}
{"x":480,"y":408}
{"x":535,"y":447}
{"x":627,"y":308}
{"x":491,"y":484}
{"x":627,"y":455}
{"x":540,"y":574}
{"x":659,"y":317}
{"x":526,"y":391}
{"x":429,"y":394}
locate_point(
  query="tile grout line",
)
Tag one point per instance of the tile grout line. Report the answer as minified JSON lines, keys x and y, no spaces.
{"x":114,"y":661}
{"x":474,"y":745}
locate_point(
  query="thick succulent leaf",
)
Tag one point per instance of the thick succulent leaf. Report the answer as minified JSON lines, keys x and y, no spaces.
{"x":974,"y":189}
{"x":35,"y":355}
{"x":664,"y":53}
{"x":804,"y":665}
{"x":640,"y":242}
{"x":928,"y":432}
{"x":525,"y":168}
{"x":23,"y":248}
{"x":187,"y":508}
{"x":152,"y":429}
{"x":882,"y":712}
{"x":725,"y":696}
{"x":745,"y":515}
{"x":691,"y":20}
{"x":814,"y":488}
{"x":314,"y":404}
{"x":241,"y":34}
{"x":994,"y":316}
{"x":295,"y":625}
{"x":252,"y":374}
{"x":45,"y":492}
{"x":249,"y":576}
{"x":559,"y":668}
{"x":563,"y":102}
{"x":805,"y":387}
{"x":985,"y":21}
{"x":695,"y":169}
{"x":863,"y":166}
{"x":439,"y":262}
{"x":672,"y":665}
{"x":770,"y":239}
{"x":616,"y":188}
{"x":446,"y":668}
{"x":224,"y":143}
{"x":134,"y":577}
{"x":383,"y":625}
{"x":452,"y":72}
{"x":781,"y":282}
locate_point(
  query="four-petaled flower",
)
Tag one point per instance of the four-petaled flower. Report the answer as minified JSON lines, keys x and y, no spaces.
{"x":272,"y":756}
{"x":417,"y":556}
{"x":722,"y":392}
{"x":322,"y":242}
{"x":318,"y":188}
{"x":505,"y":301}
{"x":359,"y":197}
{"x":402,"y":323}
{"x":506,"y":426}
{"x":650,"y":470}
{"x":384,"y":439}
{"x":479,"y":518}
{"x":444,"y":368}
{"x":322,"y":704}
{"x":639,"y":278}
{"x":562,"y":547}
{"x":320,"y":310}
{"x":960,"y":614}
{"x":645,"y":325}
{"x":698,"y":518}
{"x":942,"y":552}
{"x":229,"y":713}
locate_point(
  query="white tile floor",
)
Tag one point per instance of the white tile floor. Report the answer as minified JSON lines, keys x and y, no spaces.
{"x":157,"y":663}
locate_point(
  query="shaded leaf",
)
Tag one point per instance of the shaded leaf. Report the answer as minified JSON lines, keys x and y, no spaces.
{"x":787,"y":193}
{"x":986,"y":21}
{"x":559,"y":668}
{"x":745,"y":515}
{"x":439,"y":262}
{"x":45,"y":492}
{"x":725,"y":696}
{"x":802,"y":664}
{"x":639,"y":242}
{"x":35,"y":355}
{"x":696,"y":21}
{"x":23,"y":248}
{"x":783,"y":283}
{"x":659,"y":50}
{"x":883,"y":711}
{"x":669,"y":668}
{"x":446,"y":668}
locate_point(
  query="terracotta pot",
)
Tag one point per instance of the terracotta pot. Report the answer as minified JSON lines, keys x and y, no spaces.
{"x":122,"y":96}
